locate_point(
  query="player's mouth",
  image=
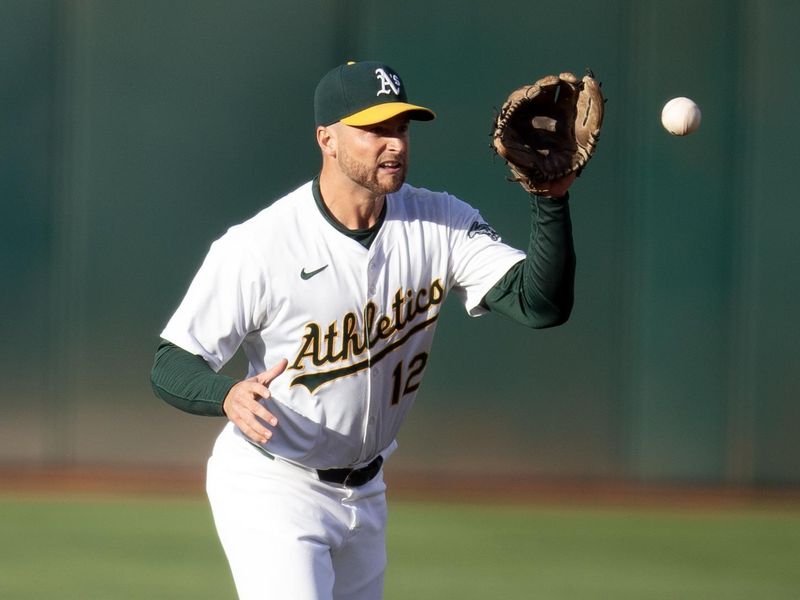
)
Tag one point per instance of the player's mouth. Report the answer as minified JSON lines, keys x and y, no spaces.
{"x":391,"y":166}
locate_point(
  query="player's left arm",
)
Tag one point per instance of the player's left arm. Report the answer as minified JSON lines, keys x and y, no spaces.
{"x":539,"y":291}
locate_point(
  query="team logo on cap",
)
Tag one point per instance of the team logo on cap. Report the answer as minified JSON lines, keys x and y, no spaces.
{"x":390,"y":83}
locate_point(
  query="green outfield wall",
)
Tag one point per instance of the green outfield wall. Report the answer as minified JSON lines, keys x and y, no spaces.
{"x":135,"y":132}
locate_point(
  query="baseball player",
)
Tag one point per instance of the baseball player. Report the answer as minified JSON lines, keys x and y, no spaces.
{"x":334,"y":293}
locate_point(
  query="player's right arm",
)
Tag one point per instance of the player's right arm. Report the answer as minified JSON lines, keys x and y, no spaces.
{"x":187,"y":382}
{"x":226,"y":301}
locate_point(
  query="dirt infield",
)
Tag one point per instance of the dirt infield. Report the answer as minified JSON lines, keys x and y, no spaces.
{"x":600,"y":493}
{"x":133,"y":480}
{"x":100,"y":479}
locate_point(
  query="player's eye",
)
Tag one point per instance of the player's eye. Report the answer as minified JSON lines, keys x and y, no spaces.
{"x":383,"y":130}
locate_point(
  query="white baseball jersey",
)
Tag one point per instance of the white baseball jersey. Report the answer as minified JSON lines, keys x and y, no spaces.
{"x":355,"y":324}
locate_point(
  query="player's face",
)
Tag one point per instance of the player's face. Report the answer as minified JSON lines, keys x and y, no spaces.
{"x":375,"y":156}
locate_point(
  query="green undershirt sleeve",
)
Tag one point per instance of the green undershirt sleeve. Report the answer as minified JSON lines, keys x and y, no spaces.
{"x":185,"y":381}
{"x":538,"y":291}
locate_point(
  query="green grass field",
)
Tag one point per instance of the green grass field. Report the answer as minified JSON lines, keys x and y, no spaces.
{"x":90,"y":548}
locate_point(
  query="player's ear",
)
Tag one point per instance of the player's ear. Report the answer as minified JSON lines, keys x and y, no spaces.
{"x":326,"y":138}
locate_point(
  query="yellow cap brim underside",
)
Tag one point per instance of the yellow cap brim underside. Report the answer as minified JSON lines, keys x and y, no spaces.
{"x":386,"y":111}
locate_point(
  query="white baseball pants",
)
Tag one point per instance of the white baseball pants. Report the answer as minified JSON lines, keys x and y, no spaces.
{"x":289,"y":536}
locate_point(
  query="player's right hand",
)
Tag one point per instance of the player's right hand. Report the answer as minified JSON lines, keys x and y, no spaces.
{"x":243,"y":407}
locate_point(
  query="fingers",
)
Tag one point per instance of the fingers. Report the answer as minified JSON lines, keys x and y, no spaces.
{"x":266,"y":377}
{"x":243,"y":404}
{"x":250,"y":419}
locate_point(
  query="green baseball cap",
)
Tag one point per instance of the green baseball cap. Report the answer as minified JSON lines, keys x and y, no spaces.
{"x":363,"y":93}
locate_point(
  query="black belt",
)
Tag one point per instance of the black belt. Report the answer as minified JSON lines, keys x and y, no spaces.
{"x":351,"y":477}
{"x":345,"y":477}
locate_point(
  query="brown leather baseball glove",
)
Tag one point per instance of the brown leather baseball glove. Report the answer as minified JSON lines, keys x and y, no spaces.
{"x":549,"y":129}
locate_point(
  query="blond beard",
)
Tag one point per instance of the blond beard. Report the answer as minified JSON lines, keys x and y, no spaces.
{"x":368,"y":178}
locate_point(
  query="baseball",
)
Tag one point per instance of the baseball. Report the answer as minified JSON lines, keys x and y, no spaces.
{"x":680,"y":116}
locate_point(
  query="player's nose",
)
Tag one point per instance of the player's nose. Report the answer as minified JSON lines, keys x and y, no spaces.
{"x":397,"y":143}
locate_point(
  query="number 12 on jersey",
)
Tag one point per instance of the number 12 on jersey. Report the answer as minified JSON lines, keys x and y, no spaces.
{"x":405,"y":383}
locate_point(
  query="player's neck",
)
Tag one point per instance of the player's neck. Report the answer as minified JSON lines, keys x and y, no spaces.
{"x":350,"y":204}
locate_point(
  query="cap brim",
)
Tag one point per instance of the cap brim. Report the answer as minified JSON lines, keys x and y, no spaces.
{"x":386,"y":111}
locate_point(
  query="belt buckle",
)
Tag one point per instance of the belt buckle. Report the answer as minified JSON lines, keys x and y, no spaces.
{"x":353,"y":483}
{"x":358,"y":477}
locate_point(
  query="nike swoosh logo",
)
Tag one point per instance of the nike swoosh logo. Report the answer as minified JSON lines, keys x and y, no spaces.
{"x":310,"y":274}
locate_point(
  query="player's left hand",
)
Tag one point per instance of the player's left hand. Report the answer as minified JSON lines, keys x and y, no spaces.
{"x":243,"y":407}
{"x":558,"y":187}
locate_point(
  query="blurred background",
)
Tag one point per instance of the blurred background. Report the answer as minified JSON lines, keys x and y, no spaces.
{"x":132,"y":134}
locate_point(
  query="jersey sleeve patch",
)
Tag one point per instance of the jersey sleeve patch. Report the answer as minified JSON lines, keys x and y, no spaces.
{"x":480,"y":228}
